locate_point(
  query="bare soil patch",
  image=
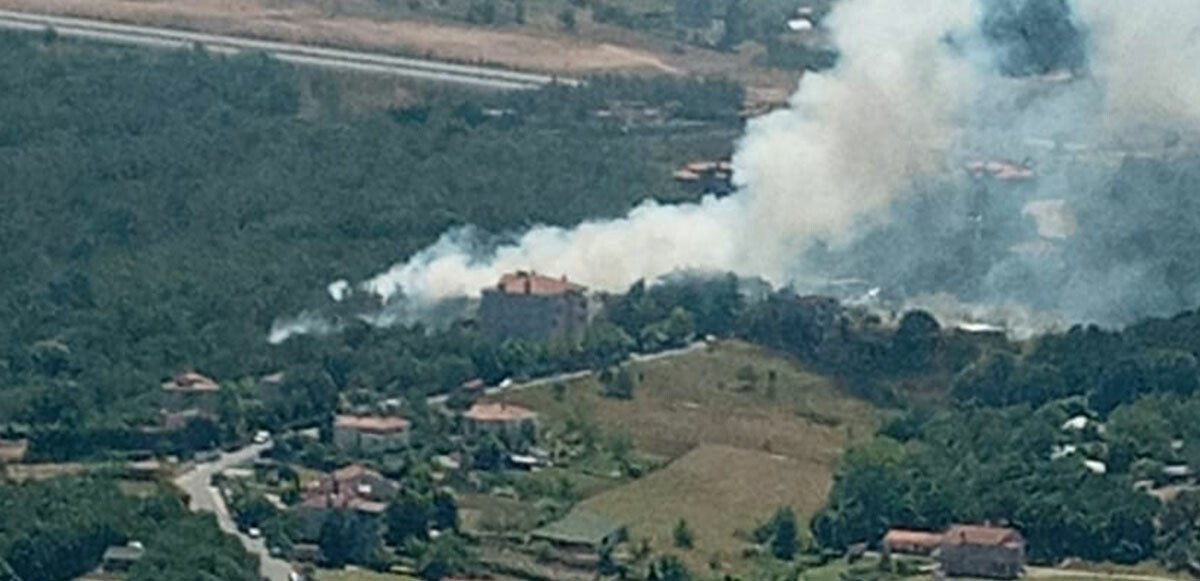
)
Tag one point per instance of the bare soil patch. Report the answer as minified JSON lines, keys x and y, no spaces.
{"x":325,"y":23}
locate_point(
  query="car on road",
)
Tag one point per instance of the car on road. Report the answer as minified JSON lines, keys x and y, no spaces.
{"x":261,"y":437}
{"x":254,"y":533}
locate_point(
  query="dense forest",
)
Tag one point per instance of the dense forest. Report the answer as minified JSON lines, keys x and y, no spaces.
{"x":161,"y":209}
{"x":1061,"y":436}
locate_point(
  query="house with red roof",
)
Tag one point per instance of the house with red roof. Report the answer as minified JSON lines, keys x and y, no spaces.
{"x":368,"y":434}
{"x":501,"y":419}
{"x":531,"y":306}
{"x":982,"y":551}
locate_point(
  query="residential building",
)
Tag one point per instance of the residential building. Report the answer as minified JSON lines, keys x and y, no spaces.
{"x":13,"y":450}
{"x":370,"y":433}
{"x":581,"y":529}
{"x":527,"y":305}
{"x":190,"y":390}
{"x":354,"y":487}
{"x":982,"y":551}
{"x":501,"y":419}
{"x":122,"y":558}
{"x":359,"y":480}
{"x":908,"y":542}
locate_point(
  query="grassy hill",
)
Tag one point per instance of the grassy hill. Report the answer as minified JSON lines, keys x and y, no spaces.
{"x":744,"y":431}
{"x":732,"y":394}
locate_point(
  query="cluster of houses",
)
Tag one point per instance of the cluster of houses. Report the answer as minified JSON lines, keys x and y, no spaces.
{"x":980,"y":551}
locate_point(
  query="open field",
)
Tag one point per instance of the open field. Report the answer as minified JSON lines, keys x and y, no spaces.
{"x":699,"y":399}
{"x":722,"y":492}
{"x":748,"y":432}
{"x":391,"y":27}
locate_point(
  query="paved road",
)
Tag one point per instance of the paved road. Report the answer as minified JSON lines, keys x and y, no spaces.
{"x":204,"y":497}
{"x":573,"y":375}
{"x":361,"y":61}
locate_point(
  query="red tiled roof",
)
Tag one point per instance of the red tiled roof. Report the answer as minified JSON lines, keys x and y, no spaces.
{"x":352,"y":472}
{"x":498,"y":412}
{"x":372,"y":424}
{"x":532,"y":283}
{"x":912,"y":538}
{"x":981,"y":535}
{"x":1001,"y":170}
{"x":344,"y":500}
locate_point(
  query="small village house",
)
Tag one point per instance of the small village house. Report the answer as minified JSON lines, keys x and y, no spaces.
{"x":982,"y":551}
{"x":582,"y":530}
{"x":354,"y":487}
{"x":13,"y":450}
{"x":503,"y":420}
{"x":121,"y":559}
{"x":908,"y":542}
{"x":190,"y":390}
{"x":357,"y":480}
{"x":359,"y":434}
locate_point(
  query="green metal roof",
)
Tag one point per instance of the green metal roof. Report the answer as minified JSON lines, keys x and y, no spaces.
{"x":579,"y":527}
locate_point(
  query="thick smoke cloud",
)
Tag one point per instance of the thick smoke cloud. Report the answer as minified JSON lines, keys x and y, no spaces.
{"x":849,"y":142}
{"x":879,"y":170}
{"x":1148,"y":56}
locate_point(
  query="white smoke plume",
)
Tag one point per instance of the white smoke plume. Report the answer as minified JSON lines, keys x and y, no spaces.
{"x":1148,"y":57}
{"x":914,"y":92}
{"x":845,"y":147}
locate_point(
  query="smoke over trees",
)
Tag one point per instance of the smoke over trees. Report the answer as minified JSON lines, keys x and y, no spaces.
{"x":864,"y":175}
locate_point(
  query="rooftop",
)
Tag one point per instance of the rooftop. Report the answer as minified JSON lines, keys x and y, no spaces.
{"x":130,"y":552}
{"x":372,"y":424}
{"x":13,"y":450}
{"x":346,"y":499}
{"x":579,"y":527}
{"x":1000,"y":170}
{"x":916,"y":538}
{"x":531,"y":283}
{"x":352,"y":472}
{"x":498,"y":412}
{"x":190,"y":381}
{"x":981,"y":535}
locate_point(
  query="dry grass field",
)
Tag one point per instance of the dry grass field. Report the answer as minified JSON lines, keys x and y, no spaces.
{"x":746,"y":432}
{"x":699,"y":399}
{"x":721,"y":492}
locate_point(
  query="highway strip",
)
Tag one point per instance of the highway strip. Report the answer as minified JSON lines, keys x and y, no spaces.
{"x":304,"y":55}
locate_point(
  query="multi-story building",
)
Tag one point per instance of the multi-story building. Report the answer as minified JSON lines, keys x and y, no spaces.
{"x":527,"y":305}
